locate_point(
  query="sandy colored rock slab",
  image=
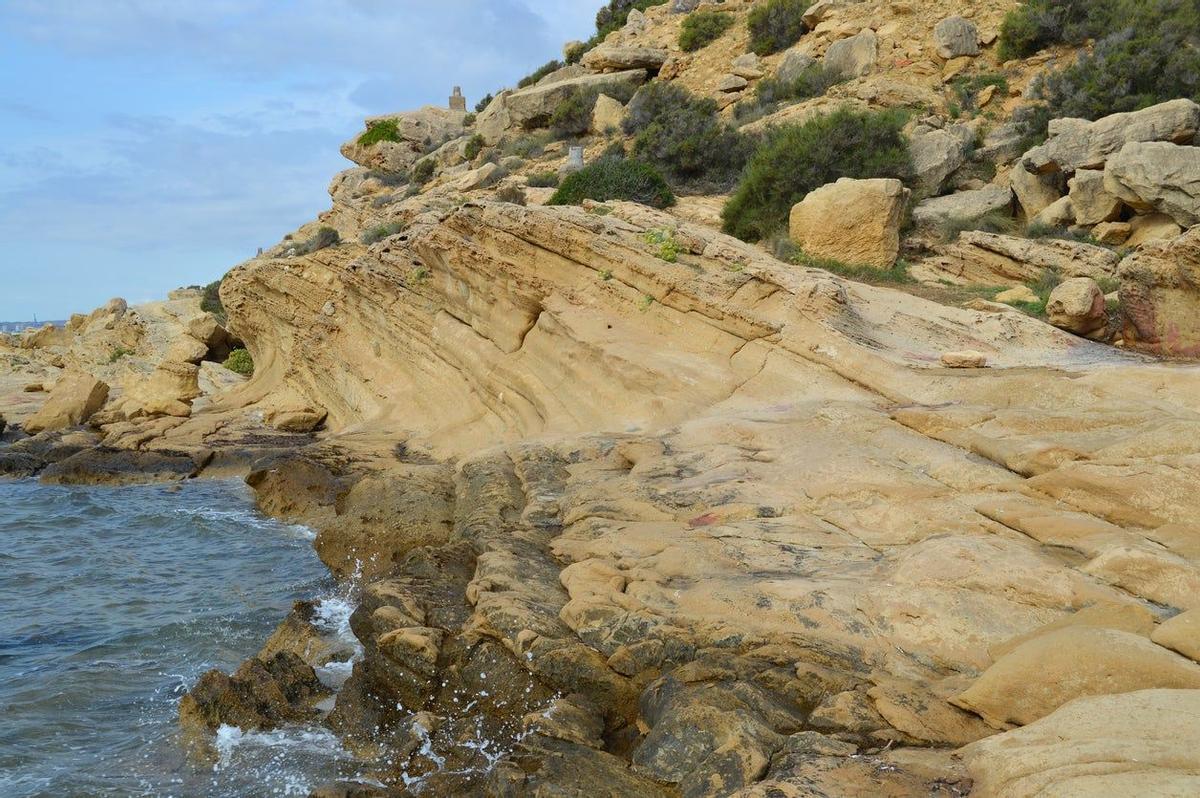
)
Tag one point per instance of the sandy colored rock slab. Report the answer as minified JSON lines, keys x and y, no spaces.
{"x":74,"y":399}
{"x":1041,"y":675}
{"x":852,"y":221}
{"x":1137,"y":743}
{"x":1181,"y":633}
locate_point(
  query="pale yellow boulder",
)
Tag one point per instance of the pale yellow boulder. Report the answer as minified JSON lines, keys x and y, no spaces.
{"x":1041,"y":675}
{"x":1151,"y":227}
{"x":1181,"y":633}
{"x":607,"y":114}
{"x":1077,"y":305}
{"x":1132,"y":618}
{"x":75,"y":398}
{"x":1144,"y":743}
{"x":852,"y":221}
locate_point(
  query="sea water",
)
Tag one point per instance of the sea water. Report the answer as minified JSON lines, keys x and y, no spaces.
{"x":113,"y":601}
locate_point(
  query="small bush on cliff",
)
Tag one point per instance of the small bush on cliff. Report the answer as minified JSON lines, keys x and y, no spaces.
{"x":543,"y":180}
{"x":702,"y":28}
{"x":210,"y":302}
{"x":383,"y":130}
{"x":324,"y":237}
{"x":422,"y":173}
{"x":1146,"y":52}
{"x":682,"y":134}
{"x":776,"y":25}
{"x":382,"y":231}
{"x":796,"y":159}
{"x":573,"y":116}
{"x":239,"y":361}
{"x":615,"y":178}
{"x":539,"y":73}
{"x":482,"y":105}
{"x":814,"y":81}
{"x":473,"y":147}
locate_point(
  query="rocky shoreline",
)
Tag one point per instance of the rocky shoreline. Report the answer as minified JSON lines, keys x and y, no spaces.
{"x":634,"y":507}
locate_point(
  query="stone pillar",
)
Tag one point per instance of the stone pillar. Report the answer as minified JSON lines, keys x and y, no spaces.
{"x":574,"y":162}
{"x":457,"y":101}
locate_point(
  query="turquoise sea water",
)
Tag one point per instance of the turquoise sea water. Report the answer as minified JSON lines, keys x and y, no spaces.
{"x":112,"y":602}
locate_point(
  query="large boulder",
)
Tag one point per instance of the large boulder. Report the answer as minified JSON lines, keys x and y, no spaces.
{"x":1160,"y":295}
{"x":793,"y":65}
{"x":531,"y":108}
{"x":168,"y":391}
{"x":612,"y":58}
{"x":1090,"y":200}
{"x":964,"y":206}
{"x":854,"y":56}
{"x":1140,"y":743}
{"x":1157,"y":176}
{"x":1077,"y":305}
{"x":1039,"y":676}
{"x":955,"y":37}
{"x":415,"y":132}
{"x":1035,"y":193}
{"x":853,"y":221}
{"x":1080,"y":144}
{"x":75,"y":398}
{"x":937,"y":154}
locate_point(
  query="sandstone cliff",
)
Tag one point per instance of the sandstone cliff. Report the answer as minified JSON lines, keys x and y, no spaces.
{"x":633,"y":503}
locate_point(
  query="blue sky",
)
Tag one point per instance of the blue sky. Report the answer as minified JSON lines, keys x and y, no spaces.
{"x":148,"y":144}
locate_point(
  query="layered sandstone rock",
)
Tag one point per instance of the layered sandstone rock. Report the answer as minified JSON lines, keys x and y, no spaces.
{"x":1160,"y":295}
{"x":852,"y":221}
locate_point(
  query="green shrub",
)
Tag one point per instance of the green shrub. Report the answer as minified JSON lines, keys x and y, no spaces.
{"x":422,"y":173}
{"x":702,"y":28}
{"x":814,"y":81}
{"x":511,"y":194}
{"x":897,"y":275}
{"x":210,"y":302}
{"x":683,"y":135}
{"x":776,"y":25}
{"x":382,"y":231}
{"x":1146,"y":52}
{"x":665,"y":244}
{"x":543,"y":180}
{"x":482,"y":105}
{"x":383,"y":130}
{"x":239,"y":361}
{"x":324,"y":237}
{"x":469,"y":120}
{"x":796,"y":159}
{"x":615,"y":178}
{"x":119,"y":353}
{"x":473,"y":147}
{"x":573,"y":116}
{"x":539,"y":73}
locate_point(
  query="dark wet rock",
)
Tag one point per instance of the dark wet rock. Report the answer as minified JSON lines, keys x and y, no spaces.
{"x":103,"y":465}
{"x":349,"y":789}
{"x":26,"y":457}
{"x":297,"y":487}
{"x":298,"y":635}
{"x":261,"y":694}
{"x":551,"y":767}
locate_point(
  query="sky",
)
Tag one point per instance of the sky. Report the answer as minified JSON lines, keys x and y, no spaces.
{"x":150,"y":144}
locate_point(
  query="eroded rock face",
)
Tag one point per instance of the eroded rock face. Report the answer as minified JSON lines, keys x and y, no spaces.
{"x":1160,"y":295}
{"x":954,"y":37}
{"x":1079,"y":144}
{"x":1157,"y":176}
{"x":415,"y":132}
{"x":854,"y":56}
{"x":1128,"y":744}
{"x":995,"y":259}
{"x":963,"y":206}
{"x":262,"y":694}
{"x":73,"y":400}
{"x":852,"y":221}
{"x":529,"y":108}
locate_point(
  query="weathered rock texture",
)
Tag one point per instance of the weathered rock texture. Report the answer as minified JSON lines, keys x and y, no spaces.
{"x":852,"y":221}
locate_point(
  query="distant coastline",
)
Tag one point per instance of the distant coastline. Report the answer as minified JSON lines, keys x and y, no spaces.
{"x":21,"y":326}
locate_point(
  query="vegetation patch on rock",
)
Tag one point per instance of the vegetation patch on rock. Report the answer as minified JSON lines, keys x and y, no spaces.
{"x":240,"y":362}
{"x":702,"y":28}
{"x":615,"y":178}
{"x":776,"y":25}
{"x":796,"y":159}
